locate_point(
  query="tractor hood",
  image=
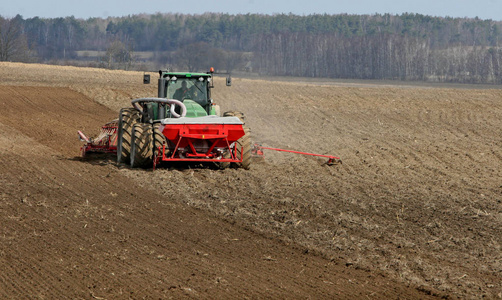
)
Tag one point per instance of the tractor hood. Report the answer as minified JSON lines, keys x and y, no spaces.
{"x":194,"y":109}
{"x":203,"y":120}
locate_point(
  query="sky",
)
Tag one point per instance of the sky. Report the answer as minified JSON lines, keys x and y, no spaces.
{"x":484,"y":9}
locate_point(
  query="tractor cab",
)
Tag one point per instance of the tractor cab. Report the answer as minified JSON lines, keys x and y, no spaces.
{"x":188,"y":88}
{"x":193,"y":89}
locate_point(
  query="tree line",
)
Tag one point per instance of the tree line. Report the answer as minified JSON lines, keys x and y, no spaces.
{"x":379,"y":46}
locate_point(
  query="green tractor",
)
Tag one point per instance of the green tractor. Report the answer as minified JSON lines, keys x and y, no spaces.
{"x":182,"y":124}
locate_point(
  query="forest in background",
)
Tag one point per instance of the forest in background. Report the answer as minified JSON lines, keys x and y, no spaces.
{"x":396,"y":47}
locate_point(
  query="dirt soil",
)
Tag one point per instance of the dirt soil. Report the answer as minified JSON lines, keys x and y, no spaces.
{"x":414,"y":211}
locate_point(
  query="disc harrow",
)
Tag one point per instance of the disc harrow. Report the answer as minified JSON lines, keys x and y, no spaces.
{"x":105,"y":142}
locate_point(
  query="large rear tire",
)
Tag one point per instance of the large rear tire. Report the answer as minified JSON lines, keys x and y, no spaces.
{"x":141,"y":146}
{"x":243,"y":145}
{"x":146,"y":141}
{"x":243,"y":150}
{"x":237,"y":114}
{"x":127,"y":118}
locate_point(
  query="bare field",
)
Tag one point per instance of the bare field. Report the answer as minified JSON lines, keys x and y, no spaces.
{"x":414,"y":211}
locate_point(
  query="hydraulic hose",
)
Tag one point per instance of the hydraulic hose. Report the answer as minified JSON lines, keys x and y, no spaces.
{"x":172,"y":102}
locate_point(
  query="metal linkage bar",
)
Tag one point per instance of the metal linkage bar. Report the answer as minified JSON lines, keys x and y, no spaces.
{"x":208,"y":157}
{"x":258,"y":150}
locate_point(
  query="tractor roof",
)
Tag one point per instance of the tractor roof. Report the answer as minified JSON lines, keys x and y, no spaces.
{"x":184,"y":74}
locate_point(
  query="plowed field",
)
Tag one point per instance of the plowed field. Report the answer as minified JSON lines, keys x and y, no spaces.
{"x":414,"y":211}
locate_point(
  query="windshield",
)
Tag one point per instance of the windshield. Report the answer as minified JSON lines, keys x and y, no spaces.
{"x":187,"y":88}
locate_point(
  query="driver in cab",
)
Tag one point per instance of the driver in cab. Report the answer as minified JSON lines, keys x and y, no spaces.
{"x":183,"y":92}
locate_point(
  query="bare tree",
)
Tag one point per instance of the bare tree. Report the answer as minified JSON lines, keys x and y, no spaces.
{"x":13,"y":43}
{"x":233,"y":60}
{"x":192,"y":56}
{"x":201,"y":56}
{"x":118,"y":55}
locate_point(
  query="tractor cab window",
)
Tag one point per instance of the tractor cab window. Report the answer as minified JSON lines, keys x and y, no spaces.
{"x":188,"y":88}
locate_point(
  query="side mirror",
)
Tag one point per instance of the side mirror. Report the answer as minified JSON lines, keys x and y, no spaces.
{"x":229,"y":81}
{"x":146,"y":79}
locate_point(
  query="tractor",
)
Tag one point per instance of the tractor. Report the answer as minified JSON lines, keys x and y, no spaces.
{"x":182,"y":124}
